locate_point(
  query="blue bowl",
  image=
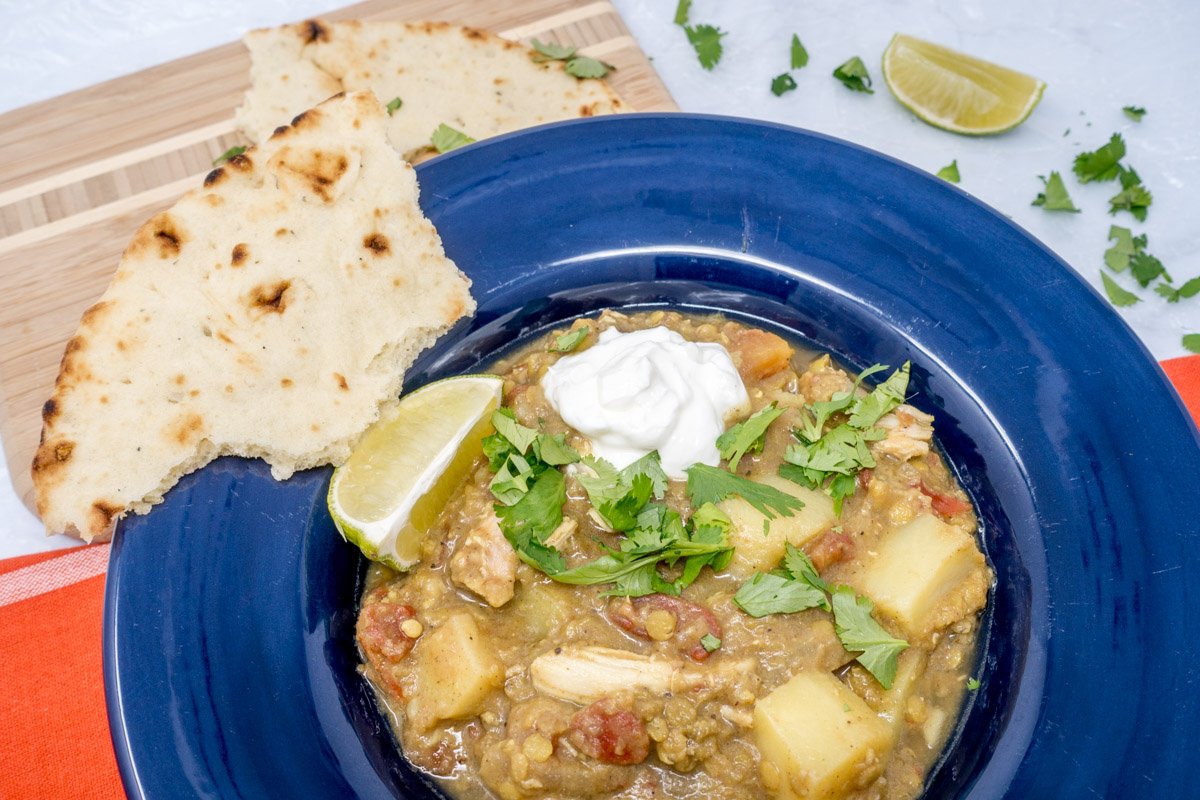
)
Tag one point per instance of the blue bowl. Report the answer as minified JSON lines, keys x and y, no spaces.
{"x":229,"y":658}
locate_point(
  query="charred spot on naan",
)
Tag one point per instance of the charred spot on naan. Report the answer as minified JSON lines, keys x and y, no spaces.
{"x":315,"y":30}
{"x":241,"y":251}
{"x":186,"y":429}
{"x":162,"y":234}
{"x":269,"y":298}
{"x":320,"y":173}
{"x":377,"y":243}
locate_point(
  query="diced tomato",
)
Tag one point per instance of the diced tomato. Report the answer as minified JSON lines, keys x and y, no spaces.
{"x":864,"y":477}
{"x":944,"y":504}
{"x":379,"y":633}
{"x":610,"y":732}
{"x":693,"y":620}
{"x":761,"y":354}
{"x":830,"y":549}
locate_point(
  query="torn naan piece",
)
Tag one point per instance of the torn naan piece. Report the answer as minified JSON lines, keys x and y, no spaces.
{"x":471,"y":80}
{"x":271,"y":313}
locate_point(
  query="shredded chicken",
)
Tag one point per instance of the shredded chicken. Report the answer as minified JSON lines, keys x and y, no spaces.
{"x":822,"y":380}
{"x":485,"y":563}
{"x":908,"y":433}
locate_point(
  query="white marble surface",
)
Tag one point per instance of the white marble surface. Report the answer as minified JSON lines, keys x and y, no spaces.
{"x":1096,"y":56}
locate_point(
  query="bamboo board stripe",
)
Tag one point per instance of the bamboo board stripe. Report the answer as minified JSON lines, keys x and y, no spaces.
{"x":82,"y":171}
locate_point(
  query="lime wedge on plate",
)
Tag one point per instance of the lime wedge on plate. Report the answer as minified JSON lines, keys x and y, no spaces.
{"x":956,"y":92}
{"x":404,"y":470}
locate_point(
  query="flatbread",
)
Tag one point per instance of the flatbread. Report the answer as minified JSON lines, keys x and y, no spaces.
{"x":271,"y":313}
{"x":471,"y":80}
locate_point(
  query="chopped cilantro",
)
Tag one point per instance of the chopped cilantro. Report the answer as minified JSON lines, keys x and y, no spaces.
{"x":709,"y":642}
{"x":620,"y":495}
{"x":747,"y":436}
{"x":1054,"y":197}
{"x":706,"y":41}
{"x":511,"y":481}
{"x":228,"y":154}
{"x":578,"y":65}
{"x":1134,"y":199}
{"x":1116,"y":295}
{"x":1128,"y":176}
{"x":1173,"y":295}
{"x":505,"y":423}
{"x":799,"y":54}
{"x":1191,"y":342}
{"x":950,"y":172}
{"x":1101,"y":164}
{"x":853,"y":75}
{"x":1135,"y":113}
{"x":860,"y":633}
{"x":553,"y":450}
{"x":519,"y":455}
{"x":569,"y":340}
{"x":794,"y":586}
{"x":681,"y":12}
{"x":782,"y":84}
{"x":527,"y":523}
{"x":549,"y":51}
{"x":1127,"y":245}
{"x":1146,"y":268}
{"x":712,"y":485}
{"x":972,"y":684}
{"x":394,"y":105}
{"x":445,"y":139}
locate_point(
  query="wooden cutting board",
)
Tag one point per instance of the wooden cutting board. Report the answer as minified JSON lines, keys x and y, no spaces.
{"x":81,"y":172}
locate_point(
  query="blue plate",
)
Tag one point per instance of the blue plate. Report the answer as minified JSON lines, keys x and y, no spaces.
{"x":229,"y":660}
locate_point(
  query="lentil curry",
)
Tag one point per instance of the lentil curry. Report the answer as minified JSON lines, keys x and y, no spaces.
{"x":503,"y":680}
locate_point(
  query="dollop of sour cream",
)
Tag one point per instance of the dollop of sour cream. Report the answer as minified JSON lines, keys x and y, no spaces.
{"x":632,"y":393}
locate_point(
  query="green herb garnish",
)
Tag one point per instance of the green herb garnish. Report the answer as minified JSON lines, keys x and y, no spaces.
{"x":782,"y":84}
{"x":710,"y":643}
{"x":1054,"y":196}
{"x":1173,"y":295}
{"x":394,"y":105}
{"x":1191,"y":342}
{"x":1127,"y":245}
{"x":682,"y":10}
{"x":706,"y":41}
{"x":228,"y":154}
{"x":853,"y":75}
{"x":1116,"y":295}
{"x":1101,"y":164}
{"x":878,"y":651}
{"x":574,"y":64}
{"x":793,"y":587}
{"x":445,"y":138}
{"x":529,"y":522}
{"x":1146,"y":268}
{"x":972,"y":684}
{"x":712,"y":485}
{"x":1135,"y":199}
{"x":799,"y":54}
{"x":747,"y":436}
{"x":1135,"y":113}
{"x":950,"y":172}
{"x":569,"y":340}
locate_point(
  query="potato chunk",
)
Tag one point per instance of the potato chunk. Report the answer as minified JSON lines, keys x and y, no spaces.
{"x":908,"y":672}
{"x":455,"y":672}
{"x":818,"y":739}
{"x":754,"y":552}
{"x":925,"y":575}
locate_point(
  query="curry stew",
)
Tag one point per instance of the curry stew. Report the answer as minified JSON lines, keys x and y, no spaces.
{"x":503,"y":682}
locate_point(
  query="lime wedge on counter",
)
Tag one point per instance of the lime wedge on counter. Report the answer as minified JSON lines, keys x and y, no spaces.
{"x":405,"y":468}
{"x":956,"y":92}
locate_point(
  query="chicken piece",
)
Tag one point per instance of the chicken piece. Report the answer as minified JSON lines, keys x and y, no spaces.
{"x":909,"y":432}
{"x":485,"y":563}
{"x":822,"y":380}
{"x":759,"y":354}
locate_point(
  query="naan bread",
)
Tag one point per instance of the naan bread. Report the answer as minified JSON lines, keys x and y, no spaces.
{"x":469,"y":79}
{"x":271,"y":313}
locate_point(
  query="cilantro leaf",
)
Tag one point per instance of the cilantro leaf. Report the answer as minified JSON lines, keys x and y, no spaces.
{"x":649,"y":466}
{"x":709,"y":642}
{"x":1134,"y":199}
{"x":972,"y":684}
{"x":799,"y":54}
{"x":853,"y":75}
{"x":497,"y":449}
{"x":772,"y":593}
{"x":505,"y":423}
{"x":1101,"y":163}
{"x":549,"y":51}
{"x":528,"y":523}
{"x":867,"y":409}
{"x":681,"y":12}
{"x":587,"y":67}
{"x":1135,"y":113}
{"x":707,"y":484}
{"x":445,"y":138}
{"x":1128,"y":176}
{"x":1191,"y":342}
{"x":1173,"y":295}
{"x":228,"y":154}
{"x":782,"y":84}
{"x":860,"y":633}
{"x":1054,"y":197}
{"x":747,"y":436}
{"x":1127,"y":245}
{"x":1116,"y":295}
{"x":800,"y":567}
{"x":511,"y":481}
{"x":394,"y":105}
{"x":1146,"y":268}
{"x":620,"y":495}
{"x":950,"y":172}
{"x":568,"y":341}
{"x":706,"y":41}
{"x":553,"y":450}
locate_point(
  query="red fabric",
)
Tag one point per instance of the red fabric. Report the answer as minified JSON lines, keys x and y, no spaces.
{"x":54,"y":740}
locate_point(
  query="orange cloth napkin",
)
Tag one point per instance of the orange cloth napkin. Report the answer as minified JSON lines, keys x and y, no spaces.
{"x":54,"y":740}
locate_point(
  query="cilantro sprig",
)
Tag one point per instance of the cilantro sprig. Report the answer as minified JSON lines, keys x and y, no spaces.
{"x":707,"y":484}
{"x":747,"y":436}
{"x":574,"y":64}
{"x":853,"y":75}
{"x":567,"y":342}
{"x":796,"y":586}
{"x":1101,"y":164}
{"x":704,"y":39}
{"x":831,"y":459}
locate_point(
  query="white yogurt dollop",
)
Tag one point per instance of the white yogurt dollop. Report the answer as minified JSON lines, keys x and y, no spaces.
{"x":648,"y":390}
